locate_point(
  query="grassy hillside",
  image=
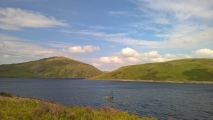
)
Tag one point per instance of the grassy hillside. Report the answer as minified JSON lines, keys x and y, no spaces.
{"x":178,"y":70}
{"x":19,"y":108}
{"x":54,"y":67}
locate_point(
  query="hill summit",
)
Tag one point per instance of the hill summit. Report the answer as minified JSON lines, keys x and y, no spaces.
{"x":53,"y":67}
{"x":185,"y":70}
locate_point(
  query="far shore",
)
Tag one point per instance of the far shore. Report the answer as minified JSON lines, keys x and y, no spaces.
{"x":153,"y":81}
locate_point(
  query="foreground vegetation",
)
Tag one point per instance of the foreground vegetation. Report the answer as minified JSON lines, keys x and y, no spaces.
{"x":54,"y":67}
{"x":185,"y":70}
{"x":19,"y":108}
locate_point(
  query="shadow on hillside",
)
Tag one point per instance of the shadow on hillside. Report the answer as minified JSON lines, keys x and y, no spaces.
{"x":198,"y":75}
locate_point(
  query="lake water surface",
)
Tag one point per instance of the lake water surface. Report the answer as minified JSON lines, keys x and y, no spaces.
{"x":161,"y":100}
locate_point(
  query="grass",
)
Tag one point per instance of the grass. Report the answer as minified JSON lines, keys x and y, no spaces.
{"x":54,"y":67}
{"x":184,"y":70}
{"x":19,"y":108}
{"x":6,"y":94}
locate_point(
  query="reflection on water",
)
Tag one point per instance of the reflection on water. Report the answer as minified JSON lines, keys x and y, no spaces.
{"x":161,"y":100}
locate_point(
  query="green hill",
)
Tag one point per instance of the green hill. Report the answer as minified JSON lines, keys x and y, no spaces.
{"x":54,"y":67}
{"x":185,"y":70}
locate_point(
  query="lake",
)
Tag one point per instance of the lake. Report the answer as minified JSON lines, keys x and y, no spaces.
{"x":161,"y":100}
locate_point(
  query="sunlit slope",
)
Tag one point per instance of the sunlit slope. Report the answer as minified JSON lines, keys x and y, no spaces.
{"x":177,"y":70}
{"x":54,"y":67}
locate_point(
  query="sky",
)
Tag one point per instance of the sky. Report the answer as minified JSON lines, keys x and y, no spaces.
{"x":107,"y":34}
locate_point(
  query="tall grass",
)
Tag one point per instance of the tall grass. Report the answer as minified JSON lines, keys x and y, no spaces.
{"x":19,"y":108}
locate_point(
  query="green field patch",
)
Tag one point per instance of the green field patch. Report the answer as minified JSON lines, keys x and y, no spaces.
{"x":199,"y":75}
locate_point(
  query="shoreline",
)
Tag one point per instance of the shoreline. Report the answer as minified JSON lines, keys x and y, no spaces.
{"x":12,"y":107}
{"x":153,"y":81}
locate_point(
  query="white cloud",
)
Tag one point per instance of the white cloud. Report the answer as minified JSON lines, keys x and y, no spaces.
{"x":109,"y":63}
{"x":181,"y":29}
{"x":181,"y":9}
{"x":96,"y":64}
{"x":203,"y":53}
{"x":192,"y":40}
{"x":110,"y":60}
{"x":16,"y":19}
{"x":183,"y":24}
{"x":117,"y":38}
{"x":129,"y":52}
{"x":176,"y":56}
{"x":132,"y":60}
{"x":4,"y":37}
{"x":95,"y":33}
{"x":157,"y":59}
{"x":181,"y":36}
{"x":144,"y":25}
{"x":83,"y":49}
{"x":131,"y":41}
{"x":152,"y":54}
{"x":127,"y":56}
{"x":173,"y":24}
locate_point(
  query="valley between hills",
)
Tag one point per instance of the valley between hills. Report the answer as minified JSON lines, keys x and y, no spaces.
{"x":178,"y":71}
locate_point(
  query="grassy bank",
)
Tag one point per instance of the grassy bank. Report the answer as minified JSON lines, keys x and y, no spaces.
{"x":20,"y":108}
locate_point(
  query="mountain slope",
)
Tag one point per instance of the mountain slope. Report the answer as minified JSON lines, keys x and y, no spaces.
{"x":177,"y":70}
{"x":54,"y":67}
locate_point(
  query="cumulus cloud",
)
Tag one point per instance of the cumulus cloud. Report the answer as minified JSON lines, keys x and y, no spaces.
{"x":152,"y":54}
{"x":206,"y":53}
{"x":129,"y":52}
{"x":132,"y":60}
{"x":176,"y":56}
{"x":110,"y":60}
{"x":83,"y":49}
{"x":16,"y":19}
{"x":127,"y":56}
{"x":108,"y":63}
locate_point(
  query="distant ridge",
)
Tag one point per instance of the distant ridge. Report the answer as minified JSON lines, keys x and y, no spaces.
{"x":53,"y":67}
{"x":185,"y":70}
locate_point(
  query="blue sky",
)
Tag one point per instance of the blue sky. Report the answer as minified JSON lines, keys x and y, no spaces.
{"x":107,"y":34}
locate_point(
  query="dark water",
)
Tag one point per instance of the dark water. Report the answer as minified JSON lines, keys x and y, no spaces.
{"x":161,"y":100}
